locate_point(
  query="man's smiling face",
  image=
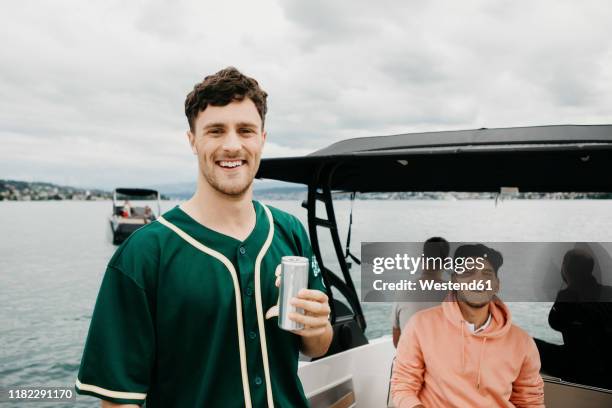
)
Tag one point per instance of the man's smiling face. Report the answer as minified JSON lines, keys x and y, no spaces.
{"x":486,"y":274}
{"x":228,"y":141}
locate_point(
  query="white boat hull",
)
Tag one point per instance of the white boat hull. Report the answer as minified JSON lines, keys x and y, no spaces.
{"x":368,"y":368}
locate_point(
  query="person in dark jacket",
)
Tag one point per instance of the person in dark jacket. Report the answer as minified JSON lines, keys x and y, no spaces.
{"x":582,"y":312}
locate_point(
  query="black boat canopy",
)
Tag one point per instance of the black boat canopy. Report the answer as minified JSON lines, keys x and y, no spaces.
{"x":136,"y":192}
{"x":564,"y":158}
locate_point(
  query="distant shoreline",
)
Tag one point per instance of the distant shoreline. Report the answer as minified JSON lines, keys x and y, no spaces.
{"x":12,"y":190}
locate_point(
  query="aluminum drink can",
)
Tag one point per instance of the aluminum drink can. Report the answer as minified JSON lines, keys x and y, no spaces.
{"x":294,"y":277}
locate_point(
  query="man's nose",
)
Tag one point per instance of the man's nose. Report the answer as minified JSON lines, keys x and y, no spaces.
{"x":231,"y":142}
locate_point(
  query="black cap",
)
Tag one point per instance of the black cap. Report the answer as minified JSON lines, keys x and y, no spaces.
{"x":494,"y":257}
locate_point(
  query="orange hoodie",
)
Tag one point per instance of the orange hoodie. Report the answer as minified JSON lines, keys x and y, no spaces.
{"x":440,"y":363}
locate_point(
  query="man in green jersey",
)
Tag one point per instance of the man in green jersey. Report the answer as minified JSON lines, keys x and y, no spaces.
{"x":180,"y":317}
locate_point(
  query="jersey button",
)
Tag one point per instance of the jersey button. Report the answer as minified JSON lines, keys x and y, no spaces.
{"x":249,"y":291}
{"x":242,"y":250}
{"x":258,"y":380}
{"x":252,"y":335}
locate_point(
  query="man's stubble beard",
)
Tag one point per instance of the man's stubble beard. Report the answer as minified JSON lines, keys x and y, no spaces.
{"x":461,"y":297}
{"x":232,"y":191}
{"x":217,"y":186}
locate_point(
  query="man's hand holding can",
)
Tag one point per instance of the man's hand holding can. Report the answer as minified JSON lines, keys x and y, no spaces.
{"x":315,"y":306}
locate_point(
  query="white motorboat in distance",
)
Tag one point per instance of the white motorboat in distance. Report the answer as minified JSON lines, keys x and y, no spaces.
{"x":127,"y":218}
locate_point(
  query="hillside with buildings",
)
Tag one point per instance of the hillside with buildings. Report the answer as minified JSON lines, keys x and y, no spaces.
{"x":12,"y":190}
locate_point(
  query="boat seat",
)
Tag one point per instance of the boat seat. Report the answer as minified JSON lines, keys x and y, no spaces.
{"x":138,"y":212}
{"x":340,"y":394}
{"x":138,"y":220}
{"x":347,"y":333}
{"x":560,"y":394}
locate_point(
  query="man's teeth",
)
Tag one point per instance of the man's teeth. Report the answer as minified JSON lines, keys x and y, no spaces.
{"x":231,"y":163}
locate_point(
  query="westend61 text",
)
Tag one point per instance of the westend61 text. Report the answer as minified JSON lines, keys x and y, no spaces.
{"x":428,"y":285}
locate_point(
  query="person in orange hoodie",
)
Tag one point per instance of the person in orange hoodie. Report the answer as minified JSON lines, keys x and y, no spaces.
{"x":466,"y":352}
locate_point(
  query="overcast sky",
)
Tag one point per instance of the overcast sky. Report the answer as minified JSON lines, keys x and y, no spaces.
{"x":93,"y":92}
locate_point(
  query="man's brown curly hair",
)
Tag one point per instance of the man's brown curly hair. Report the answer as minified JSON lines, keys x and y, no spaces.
{"x":220,"y":89}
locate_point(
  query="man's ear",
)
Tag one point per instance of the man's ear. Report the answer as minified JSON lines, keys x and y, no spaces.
{"x":496,"y":284}
{"x":264,"y":134}
{"x":191,"y":140}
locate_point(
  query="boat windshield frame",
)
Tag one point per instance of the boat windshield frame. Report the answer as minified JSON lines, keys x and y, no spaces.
{"x":137,"y":193}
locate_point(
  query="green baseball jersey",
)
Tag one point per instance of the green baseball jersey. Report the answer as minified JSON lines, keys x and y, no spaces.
{"x":179,"y":320}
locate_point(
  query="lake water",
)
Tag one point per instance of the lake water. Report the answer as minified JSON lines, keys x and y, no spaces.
{"x":53,"y":256}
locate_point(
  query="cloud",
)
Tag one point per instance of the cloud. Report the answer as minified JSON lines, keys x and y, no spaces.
{"x":95,"y":93}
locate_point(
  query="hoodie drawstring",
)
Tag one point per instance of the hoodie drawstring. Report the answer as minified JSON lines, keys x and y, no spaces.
{"x":484,"y":343}
{"x":462,"y":348}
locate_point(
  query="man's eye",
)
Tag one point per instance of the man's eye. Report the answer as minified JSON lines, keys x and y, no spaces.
{"x":215,"y":131}
{"x":246,"y":130}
